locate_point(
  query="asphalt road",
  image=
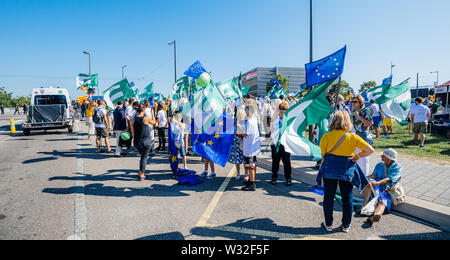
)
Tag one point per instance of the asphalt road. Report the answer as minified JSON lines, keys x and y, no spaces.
{"x":55,"y":186}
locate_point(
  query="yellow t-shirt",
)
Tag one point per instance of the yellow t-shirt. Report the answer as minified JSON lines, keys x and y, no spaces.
{"x":347,"y":148}
{"x":89,"y":112}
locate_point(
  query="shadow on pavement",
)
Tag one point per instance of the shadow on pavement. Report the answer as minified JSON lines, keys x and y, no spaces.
{"x":264,"y":228}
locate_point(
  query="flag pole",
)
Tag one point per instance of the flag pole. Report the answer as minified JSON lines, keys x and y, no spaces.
{"x":337,"y":94}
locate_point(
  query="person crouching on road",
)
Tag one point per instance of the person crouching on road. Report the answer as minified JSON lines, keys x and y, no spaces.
{"x":252,"y":145}
{"x":140,"y":130}
{"x":338,"y":167}
{"x":385,"y":175}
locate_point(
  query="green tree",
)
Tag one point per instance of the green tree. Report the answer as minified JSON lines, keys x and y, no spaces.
{"x":5,"y":97}
{"x":345,"y":87}
{"x":366,"y":86}
{"x":283,"y":81}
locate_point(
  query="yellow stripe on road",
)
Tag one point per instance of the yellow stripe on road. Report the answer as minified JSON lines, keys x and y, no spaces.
{"x":202,"y":223}
{"x":213,"y":204}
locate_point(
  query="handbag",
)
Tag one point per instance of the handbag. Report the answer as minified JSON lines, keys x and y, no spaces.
{"x":397,"y":192}
{"x":370,"y":207}
{"x":320,"y":174}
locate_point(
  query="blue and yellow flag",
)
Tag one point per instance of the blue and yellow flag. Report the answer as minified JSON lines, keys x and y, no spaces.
{"x":326,"y":69}
{"x":215,"y":143}
{"x":173,"y":152}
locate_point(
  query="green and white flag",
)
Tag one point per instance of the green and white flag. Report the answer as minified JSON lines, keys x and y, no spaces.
{"x":118,"y":92}
{"x":396,"y":101}
{"x":146,"y":93}
{"x":182,"y":87}
{"x":87,"y":80}
{"x":376,"y":92}
{"x":205,"y":108}
{"x":230,"y":89}
{"x":312,"y":109}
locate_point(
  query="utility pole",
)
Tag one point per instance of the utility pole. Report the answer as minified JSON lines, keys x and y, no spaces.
{"x":175,"y":58}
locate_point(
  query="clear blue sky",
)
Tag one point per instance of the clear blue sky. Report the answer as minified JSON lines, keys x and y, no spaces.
{"x":42,"y":40}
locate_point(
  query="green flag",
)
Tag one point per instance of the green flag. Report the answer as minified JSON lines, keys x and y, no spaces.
{"x":396,"y":101}
{"x":118,"y":92}
{"x":230,"y":89}
{"x":87,"y":80}
{"x":312,"y":109}
{"x":146,"y":93}
{"x":205,"y":107}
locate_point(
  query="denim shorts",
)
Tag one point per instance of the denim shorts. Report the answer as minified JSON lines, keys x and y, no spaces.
{"x":182,"y":151}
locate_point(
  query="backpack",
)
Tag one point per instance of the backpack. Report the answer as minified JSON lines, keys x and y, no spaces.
{"x":96,"y":118}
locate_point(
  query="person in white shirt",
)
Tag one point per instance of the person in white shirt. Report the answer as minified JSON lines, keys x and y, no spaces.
{"x":420,"y":116}
{"x":101,"y":126}
{"x":251,"y":145}
{"x":162,"y":125}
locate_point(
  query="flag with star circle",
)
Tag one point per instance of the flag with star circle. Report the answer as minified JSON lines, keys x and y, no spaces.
{"x":328,"y":68}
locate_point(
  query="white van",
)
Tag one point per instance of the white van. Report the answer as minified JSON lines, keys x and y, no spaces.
{"x":50,"y":108}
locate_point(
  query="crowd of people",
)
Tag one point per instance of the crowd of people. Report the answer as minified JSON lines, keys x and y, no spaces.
{"x":346,"y":145}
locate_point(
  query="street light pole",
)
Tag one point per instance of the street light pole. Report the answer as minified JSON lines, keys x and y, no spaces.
{"x":174,"y":57}
{"x":310,"y":130}
{"x":87,"y":53}
{"x":123,"y":75}
{"x":437,"y":73}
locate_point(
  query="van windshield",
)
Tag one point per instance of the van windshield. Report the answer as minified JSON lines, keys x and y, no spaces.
{"x":50,"y":100}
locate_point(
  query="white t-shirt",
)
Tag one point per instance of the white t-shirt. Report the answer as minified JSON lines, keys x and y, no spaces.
{"x":129,"y":111}
{"x":420,"y":113}
{"x":162,"y":118}
{"x":101,"y":112}
{"x":252,"y":144}
{"x":376,"y":110}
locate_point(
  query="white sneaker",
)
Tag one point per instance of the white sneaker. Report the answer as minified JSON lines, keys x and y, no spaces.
{"x":204,"y":174}
{"x":211,"y":176}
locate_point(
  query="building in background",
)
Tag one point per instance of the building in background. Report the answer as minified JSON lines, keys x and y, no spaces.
{"x":258,"y":78}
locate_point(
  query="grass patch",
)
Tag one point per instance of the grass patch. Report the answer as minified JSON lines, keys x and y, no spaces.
{"x":437,"y":147}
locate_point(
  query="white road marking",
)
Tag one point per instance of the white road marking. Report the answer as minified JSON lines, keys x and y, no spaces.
{"x":80,"y":217}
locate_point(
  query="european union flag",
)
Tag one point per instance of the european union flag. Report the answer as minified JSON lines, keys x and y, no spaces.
{"x":195,"y":70}
{"x":326,"y":69}
{"x":173,"y":152}
{"x":273,"y":81}
{"x":387,"y":81}
{"x":215,"y":143}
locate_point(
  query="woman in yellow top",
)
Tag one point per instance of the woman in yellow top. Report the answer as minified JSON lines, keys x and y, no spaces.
{"x":89,"y":122}
{"x":339,"y":165}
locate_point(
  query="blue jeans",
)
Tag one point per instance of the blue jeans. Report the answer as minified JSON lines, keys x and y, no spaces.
{"x":330,"y":187}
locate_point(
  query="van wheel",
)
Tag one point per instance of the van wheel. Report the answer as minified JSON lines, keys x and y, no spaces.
{"x":26,"y":132}
{"x":70,"y":129}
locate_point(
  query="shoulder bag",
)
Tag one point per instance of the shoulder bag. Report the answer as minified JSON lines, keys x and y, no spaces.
{"x":397,"y":192}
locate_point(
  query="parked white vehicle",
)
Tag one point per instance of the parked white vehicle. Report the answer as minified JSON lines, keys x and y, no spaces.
{"x":50,"y":108}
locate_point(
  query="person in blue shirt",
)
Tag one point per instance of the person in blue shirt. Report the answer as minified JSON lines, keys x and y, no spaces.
{"x":385,"y":175}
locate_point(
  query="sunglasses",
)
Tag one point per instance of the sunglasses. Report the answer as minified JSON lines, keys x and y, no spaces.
{"x":355,"y":101}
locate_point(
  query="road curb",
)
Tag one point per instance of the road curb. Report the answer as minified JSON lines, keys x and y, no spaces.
{"x":427,"y":211}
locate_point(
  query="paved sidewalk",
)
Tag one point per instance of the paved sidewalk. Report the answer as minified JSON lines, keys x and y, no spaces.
{"x":427,"y":185}
{"x":422,"y":180}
